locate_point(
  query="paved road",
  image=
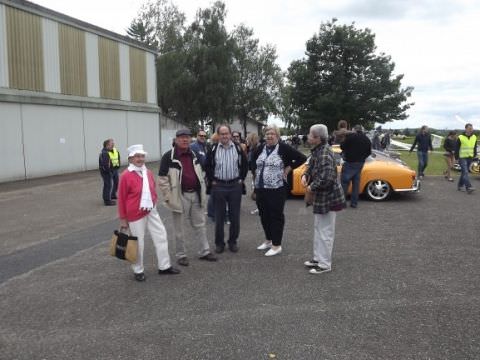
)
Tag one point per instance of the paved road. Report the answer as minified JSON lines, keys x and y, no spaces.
{"x":405,"y":284}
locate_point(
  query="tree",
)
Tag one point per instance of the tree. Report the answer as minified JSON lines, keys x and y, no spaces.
{"x":258,"y":78}
{"x":210,"y":60}
{"x":342,"y":78}
{"x":143,"y":32}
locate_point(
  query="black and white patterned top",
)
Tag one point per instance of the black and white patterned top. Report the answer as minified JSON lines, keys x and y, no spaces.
{"x":270,"y":169}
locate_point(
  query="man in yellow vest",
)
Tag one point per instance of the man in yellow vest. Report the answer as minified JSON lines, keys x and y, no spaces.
{"x":465,"y":152}
{"x":108,"y":163}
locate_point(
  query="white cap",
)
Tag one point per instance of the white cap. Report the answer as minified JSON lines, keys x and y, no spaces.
{"x":136,"y":149}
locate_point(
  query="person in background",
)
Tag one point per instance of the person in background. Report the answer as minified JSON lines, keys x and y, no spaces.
{"x":211,"y":203}
{"x":237,"y":139}
{"x":272,"y":162}
{"x":449,"y":145}
{"x":341,"y":132}
{"x":321,"y":178}
{"x":137,"y":201}
{"x":226,"y":168}
{"x":182,"y":183}
{"x":356,"y":148}
{"x":252,"y":144}
{"x":109,"y":163}
{"x":200,"y":146}
{"x":423,"y":141}
{"x":466,"y":152}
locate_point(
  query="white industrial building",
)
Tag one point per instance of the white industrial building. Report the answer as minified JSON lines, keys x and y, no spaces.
{"x":65,"y":86}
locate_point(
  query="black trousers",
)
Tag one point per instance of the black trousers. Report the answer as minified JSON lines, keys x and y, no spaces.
{"x":270,"y":203}
{"x":224,"y":194}
{"x":110,"y":185}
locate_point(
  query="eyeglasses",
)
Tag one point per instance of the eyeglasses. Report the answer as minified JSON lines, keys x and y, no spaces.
{"x":236,"y":136}
{"x":202,"y":135}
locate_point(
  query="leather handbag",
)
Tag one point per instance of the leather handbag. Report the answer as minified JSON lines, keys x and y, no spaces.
{"x":124,"y":246}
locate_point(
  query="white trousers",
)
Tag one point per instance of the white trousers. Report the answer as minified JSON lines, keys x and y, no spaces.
{"x":323,"y":237}
{"x":196,"y":216}
{"x":159,"y":236}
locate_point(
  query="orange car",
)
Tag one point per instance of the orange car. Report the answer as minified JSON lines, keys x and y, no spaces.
{"x":381,"y":176}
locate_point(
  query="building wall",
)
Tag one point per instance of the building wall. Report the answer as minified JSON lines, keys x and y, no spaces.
{"x":252,"y":127}
{"x":43,"y":140}
{"x":65,"y":87}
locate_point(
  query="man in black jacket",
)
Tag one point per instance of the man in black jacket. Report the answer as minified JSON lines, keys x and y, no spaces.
{"x":109,"y":163}
{"x":226,"y":168}
{"x":356,"y":149}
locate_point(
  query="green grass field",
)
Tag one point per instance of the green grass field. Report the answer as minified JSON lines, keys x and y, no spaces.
{"x":436,"y":162}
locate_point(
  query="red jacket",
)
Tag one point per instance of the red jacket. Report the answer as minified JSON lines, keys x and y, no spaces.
{"x":129,"y":194}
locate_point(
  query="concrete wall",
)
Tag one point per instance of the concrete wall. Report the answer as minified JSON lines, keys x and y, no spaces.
{"x":42,"y":140}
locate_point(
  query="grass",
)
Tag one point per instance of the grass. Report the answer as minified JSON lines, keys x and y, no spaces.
{"x":436,"y":162}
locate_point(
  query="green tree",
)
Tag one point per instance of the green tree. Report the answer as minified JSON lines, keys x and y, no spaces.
{"x":257,"y":78}
{"x":343,"y":78}
{"x":143,"y":32}
{"x":210,"y":61}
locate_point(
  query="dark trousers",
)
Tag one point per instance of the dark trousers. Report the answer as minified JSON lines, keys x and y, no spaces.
{"x":224,"y":194}
{"x":464,"y":180}
{"x":110,"y":185}
{"x":351,"y":172}
{"x":270,"y":203}
{"x":422,"y":162}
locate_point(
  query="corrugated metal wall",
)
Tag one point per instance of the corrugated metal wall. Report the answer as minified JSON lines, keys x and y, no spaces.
{"x":138,"y":75}
{"x":51,"y":57}
{"x":25,"y":50}
{"x":73,"y":63}
{"x":109,"y":66}
{"x":3,"y":48}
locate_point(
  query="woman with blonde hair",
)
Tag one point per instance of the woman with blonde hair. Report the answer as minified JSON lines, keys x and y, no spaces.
{"x":272,"y":162}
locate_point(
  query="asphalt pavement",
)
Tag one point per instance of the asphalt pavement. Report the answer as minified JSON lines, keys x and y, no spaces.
{"x":404,"y":285}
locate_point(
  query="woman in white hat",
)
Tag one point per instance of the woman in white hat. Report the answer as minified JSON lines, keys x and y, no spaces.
{"x":137,"y":199}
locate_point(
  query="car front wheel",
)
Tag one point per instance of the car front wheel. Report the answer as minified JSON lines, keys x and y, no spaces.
{"x":378,"y":190}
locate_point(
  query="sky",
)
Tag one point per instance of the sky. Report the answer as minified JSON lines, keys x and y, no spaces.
{"x":434,"y":43}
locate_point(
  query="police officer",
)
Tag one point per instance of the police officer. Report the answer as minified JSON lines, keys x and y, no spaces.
{"x":109,"y":163}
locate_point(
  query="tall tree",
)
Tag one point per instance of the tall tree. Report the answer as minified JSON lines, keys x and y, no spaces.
{"x":343,"y":78}
{"x":257,"y":78}
{"x":142,"y":31}
{"x":209,"y":59}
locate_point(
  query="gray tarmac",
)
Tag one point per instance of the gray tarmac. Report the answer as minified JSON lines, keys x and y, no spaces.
{"x":404,"y":285}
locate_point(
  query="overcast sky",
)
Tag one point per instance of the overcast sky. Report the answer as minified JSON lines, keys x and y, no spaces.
{"x":434,"y":43}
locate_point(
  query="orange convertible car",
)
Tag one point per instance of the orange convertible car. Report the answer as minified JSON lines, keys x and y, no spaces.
{"x":381,"y":176}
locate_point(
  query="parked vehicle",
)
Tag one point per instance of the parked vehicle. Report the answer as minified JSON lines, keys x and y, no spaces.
{"x":381,"y":176}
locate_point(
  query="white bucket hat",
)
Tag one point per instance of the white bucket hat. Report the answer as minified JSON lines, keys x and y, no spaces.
{"x":136,"y":149}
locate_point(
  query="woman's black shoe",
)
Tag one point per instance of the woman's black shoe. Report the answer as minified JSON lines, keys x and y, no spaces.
{"x":140,"y":277}
{"x":170,"y":271}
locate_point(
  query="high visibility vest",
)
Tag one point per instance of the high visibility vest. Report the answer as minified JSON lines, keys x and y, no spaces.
{"x":467,"y":146}
{"x":114,"y":158}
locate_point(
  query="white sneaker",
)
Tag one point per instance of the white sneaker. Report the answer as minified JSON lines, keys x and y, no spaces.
{"x":265,"y":245}
{"x":319,"y":270}
{"x":253,"y":212}
{"x":273,"y":252}
{"x":311,"y":263}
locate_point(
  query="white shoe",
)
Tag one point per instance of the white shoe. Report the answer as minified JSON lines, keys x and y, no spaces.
{"x":265,"y":245}
{"x":273,"y":252}
{"x":319,"y":270}
{"x":311,"y":263}
{"x":253,"y":212}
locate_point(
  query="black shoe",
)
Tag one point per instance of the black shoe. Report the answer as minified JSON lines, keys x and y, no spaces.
{"x":110,"y":203}
{"x":219,"y":249}
{"x":208,"y":257}
{"x":139,"y":277}
{"x":353,"y":206}
{"x":170,"y":271}
{"x":114,"y":198}
{"x":183,"y":261}
{"x":233,"y":247}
